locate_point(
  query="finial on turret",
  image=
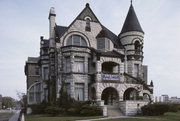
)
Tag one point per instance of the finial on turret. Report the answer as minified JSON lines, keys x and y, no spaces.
{"x":131,"y":2}
{"x":87,"y":4}
{"x":151,"y":83}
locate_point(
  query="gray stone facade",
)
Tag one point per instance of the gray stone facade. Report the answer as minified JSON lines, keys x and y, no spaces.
{"x":93,"y":63}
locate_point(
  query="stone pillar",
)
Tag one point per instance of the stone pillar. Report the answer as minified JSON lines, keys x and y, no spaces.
{"x":115,"y":69}
{"x":72,"y":63}
{"x":86,"y":91}
{"x":72,"y":86}
{"x":86,"y":64}
{"x":98,"y":67}
{"x":120,"y":96}
{"x":98,"y":93}
{"x":98,"y":71}
{"x":121,"y":68}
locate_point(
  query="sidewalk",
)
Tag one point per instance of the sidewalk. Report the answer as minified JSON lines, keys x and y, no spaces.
{"x":148,"y":118}
{"x":104,"y":118}
{"x":15,"y":116}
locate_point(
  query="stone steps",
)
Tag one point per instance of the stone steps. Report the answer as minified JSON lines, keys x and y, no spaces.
{"x":114,"y":111}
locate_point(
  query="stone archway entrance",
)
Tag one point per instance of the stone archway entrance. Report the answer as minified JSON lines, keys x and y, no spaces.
{"x":131,"y":94}
{"x":110,"y":96}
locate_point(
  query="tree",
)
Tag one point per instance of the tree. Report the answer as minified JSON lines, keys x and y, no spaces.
{"x":65,"y":101}
{"x":8,"y":102}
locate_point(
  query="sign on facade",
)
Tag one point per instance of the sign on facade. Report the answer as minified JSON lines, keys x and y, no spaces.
{"x":110,"y":77}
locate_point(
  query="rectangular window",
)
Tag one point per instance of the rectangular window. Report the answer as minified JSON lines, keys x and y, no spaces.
{"x":38,"y":87}
{"x":107,"y":44}
{"x":101,"y":43}
{"x":136,"y":70}
{"x":31,"y":97}
{"x":46,"y":73}
{"x":68,"y":65}
{"x":76,"y":40}
{"x":37,"y":70}
{"x":79,"y":92}
{"x":79,"y":64}
{"x":38,"y":97}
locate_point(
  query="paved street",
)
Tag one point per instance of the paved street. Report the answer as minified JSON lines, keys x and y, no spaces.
{"x":5,"y":115}
{"x":15,"y":116}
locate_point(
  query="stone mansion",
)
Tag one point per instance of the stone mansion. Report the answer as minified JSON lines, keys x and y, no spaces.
{"x":92,"y":62}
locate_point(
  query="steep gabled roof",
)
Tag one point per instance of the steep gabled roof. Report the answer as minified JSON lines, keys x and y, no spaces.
{"x":87,"y":12}
{"x":110,"y":35}
{"x":102,"y":34}
{"x":32,"y":60}
{"x":131,"y":23}
{"x":60,"y":30}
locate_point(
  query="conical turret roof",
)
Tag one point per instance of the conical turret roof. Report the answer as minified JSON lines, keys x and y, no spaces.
{"x":131,"y":23}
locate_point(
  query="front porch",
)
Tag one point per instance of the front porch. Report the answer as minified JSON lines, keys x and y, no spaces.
{"x":118,"y":98}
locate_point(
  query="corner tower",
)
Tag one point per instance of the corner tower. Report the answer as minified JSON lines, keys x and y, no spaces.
{"x":52,"y":76}
{"x":52,"y":16}
{"x":131,"y":37}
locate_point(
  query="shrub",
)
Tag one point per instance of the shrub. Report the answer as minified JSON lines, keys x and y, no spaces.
{"x":37,"y":108}
{"x":72,"y":111}
{"x":173,"y":107}
{"x":90,"y":110}
{"x":159,"y":108}
{"x":53,"y":111}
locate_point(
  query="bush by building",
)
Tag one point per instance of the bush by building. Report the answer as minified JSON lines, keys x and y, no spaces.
{"x":159,"y":109}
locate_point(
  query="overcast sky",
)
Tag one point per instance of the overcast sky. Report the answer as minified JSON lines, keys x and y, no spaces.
{"x":22,"y":22}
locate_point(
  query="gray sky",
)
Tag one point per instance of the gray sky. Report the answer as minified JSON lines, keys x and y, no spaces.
{"x":22,"y":23}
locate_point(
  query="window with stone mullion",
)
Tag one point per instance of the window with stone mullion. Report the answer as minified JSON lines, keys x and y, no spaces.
{"x":76,"y":40}
{"x":79,"y":64}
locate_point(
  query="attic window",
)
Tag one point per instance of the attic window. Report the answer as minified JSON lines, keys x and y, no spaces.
{"x":103,"y":44}
{"x":88,"y":26}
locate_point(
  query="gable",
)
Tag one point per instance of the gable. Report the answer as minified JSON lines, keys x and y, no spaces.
{"x":87,"y":12}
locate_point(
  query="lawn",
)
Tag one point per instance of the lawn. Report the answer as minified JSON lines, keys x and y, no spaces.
{"x":166,"y":117}
{"x":47,"y":118}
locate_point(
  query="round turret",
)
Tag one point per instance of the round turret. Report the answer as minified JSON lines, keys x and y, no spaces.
{"x":131,"y":37}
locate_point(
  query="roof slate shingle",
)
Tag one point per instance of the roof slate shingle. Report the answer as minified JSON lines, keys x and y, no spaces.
{"x":131,"y":23}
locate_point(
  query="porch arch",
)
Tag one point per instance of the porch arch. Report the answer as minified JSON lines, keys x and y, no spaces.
{"x":130,"y":94}
{"x":110,"y":96}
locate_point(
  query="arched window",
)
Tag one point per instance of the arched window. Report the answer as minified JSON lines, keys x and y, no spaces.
{"x":88,"y":26}
{"x":34,"y":94}
{"x":76,"y":40}
{"x":137,"y":45}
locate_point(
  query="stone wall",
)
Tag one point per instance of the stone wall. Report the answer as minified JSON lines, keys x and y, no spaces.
{"x":130,"y":108}
{"x":32,"y":77}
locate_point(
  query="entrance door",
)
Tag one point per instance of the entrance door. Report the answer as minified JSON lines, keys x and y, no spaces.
{"x":110,"y":96}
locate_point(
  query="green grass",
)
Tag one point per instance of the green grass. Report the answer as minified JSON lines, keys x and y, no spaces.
{"x":166,"y":117}
{"x":64,"y":118}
